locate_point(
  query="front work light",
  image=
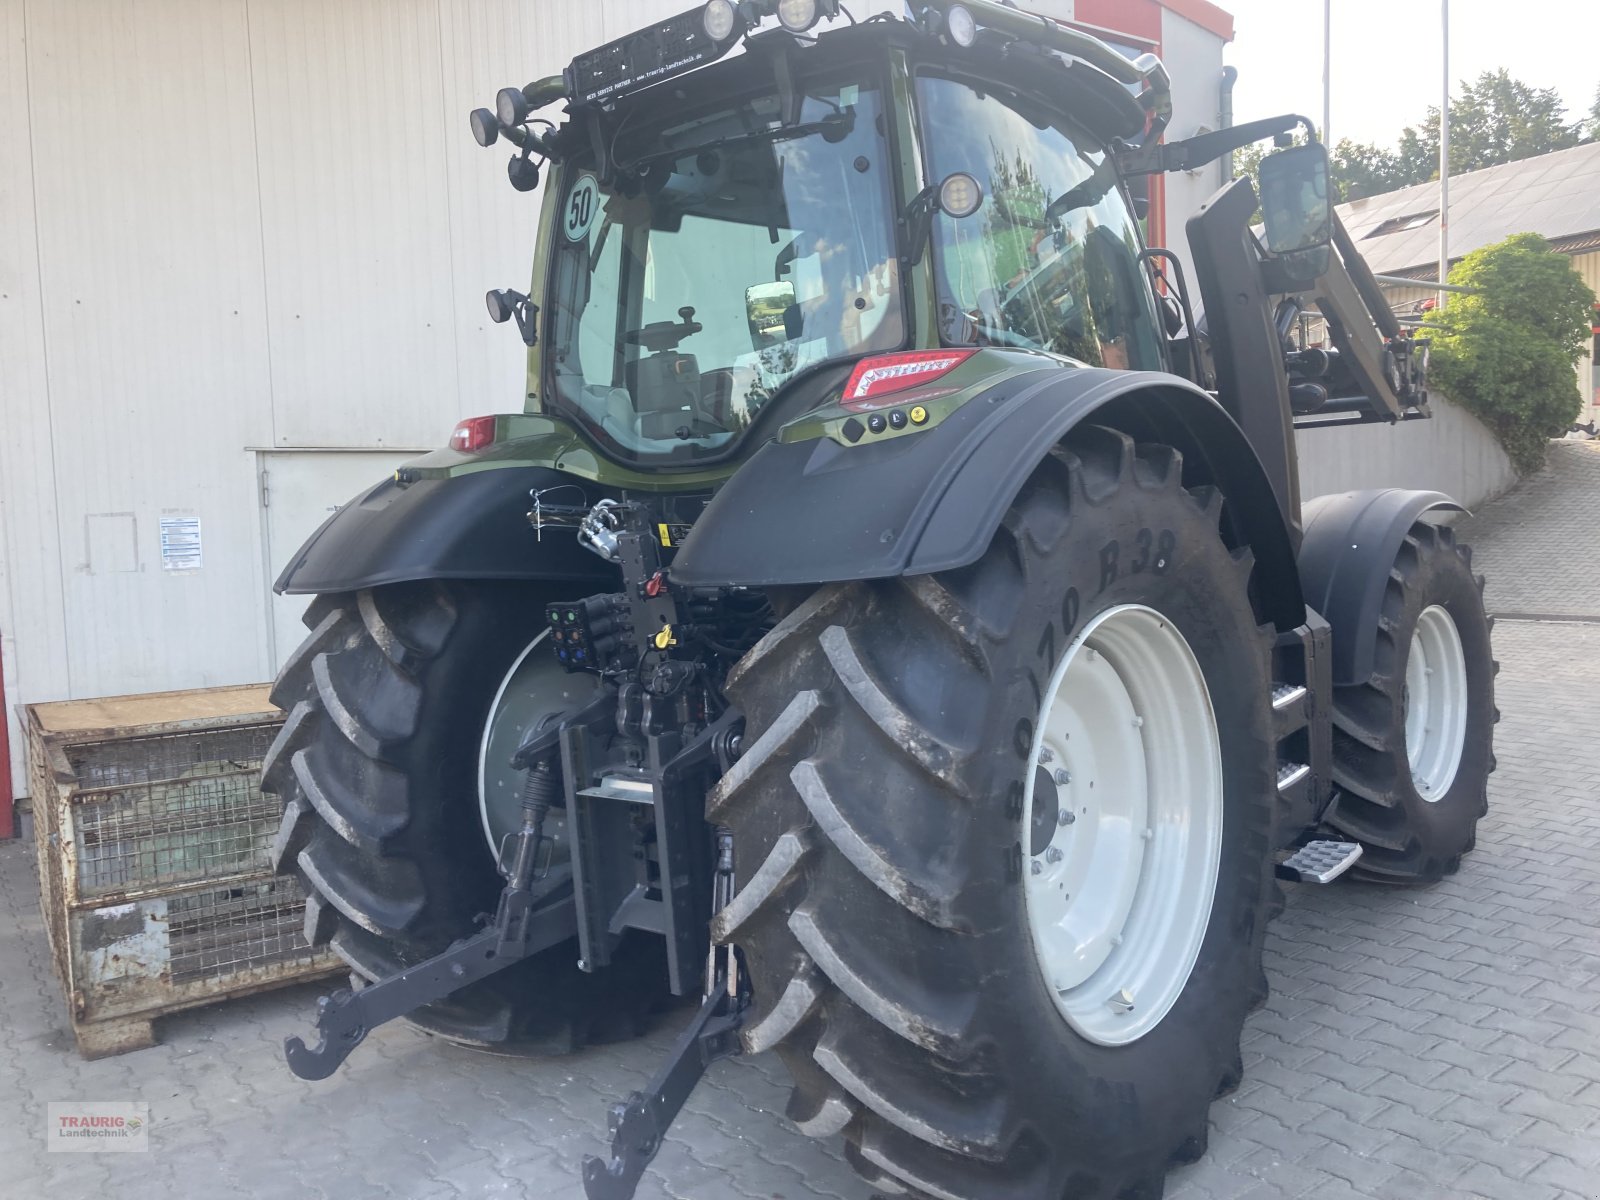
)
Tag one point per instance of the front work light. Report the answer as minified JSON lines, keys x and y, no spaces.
{"x":485,"y":127}
{"x":960,"y":195}
{"x":502,"y":304}
{"x":960,"y":26}
{"x":797,"y":16}
{"x":511,"y":106}
{"x":718,"y":19}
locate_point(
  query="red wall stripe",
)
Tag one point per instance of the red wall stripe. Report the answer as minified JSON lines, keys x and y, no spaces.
{"x":7,"y":796}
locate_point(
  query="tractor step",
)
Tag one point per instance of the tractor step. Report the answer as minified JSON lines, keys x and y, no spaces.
{"x":1319,"y":862}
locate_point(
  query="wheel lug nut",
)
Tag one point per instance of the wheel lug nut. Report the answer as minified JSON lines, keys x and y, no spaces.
{"x":1036,"y":866}
{"x":1148,"y":834}
{"x":1120,"y":1002}
{"x":1067,"y":817}
{"x":1053,"y":855}
{"x":1138,"y":722}
{"x":1062,"y":776}
{"x":1046,"y":754}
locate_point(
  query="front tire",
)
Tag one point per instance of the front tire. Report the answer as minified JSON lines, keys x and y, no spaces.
{"x":378,"y":764}
{"x":886,"y":836}
{"x":1413,"y":743}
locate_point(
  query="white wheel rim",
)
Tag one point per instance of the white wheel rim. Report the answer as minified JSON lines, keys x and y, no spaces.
{"x":534,"y":686}
{"x":1119,"y":900}
{"x":1436,"y":703}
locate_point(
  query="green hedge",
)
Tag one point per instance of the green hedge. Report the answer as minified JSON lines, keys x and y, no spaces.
{"x":1509,"y":353}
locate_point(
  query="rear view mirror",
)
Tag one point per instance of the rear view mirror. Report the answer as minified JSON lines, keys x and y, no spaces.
{"x":1296,"y":210}
{"x":765,"y":305}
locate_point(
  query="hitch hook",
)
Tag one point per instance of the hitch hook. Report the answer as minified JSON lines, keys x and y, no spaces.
{"x":639,"y":1123}
{"x":337,"y":1036}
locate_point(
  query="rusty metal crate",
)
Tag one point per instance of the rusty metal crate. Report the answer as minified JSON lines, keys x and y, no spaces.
{"x":153,"y":838}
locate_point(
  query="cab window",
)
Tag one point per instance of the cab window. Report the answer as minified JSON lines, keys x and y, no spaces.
{"x":1050,"y":261}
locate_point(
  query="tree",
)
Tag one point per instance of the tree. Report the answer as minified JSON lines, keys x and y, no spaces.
{"x":1417,"y":158}
{"x":1594,"y":118}
{"x":1508,"y":352}
{"x":1361,"y":169}
{"x":1495,"y":119}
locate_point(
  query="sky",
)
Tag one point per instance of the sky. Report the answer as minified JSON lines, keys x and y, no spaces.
{"x":1386,"y":56}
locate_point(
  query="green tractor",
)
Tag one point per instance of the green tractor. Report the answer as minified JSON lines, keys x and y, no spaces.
{"x":893,"y":620}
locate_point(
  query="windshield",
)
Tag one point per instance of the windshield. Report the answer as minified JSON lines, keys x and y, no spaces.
{"x":1050,"y":261}
{"x":732,"y":254}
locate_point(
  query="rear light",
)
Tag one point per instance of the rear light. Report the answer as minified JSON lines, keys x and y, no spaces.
{"x":473,"y":434}
{"x":885,"y":374}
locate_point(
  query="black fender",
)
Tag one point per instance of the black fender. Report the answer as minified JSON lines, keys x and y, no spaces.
{"x":819,"y":512}
{"x":1351,"y":540}
{"x":471,"y":526}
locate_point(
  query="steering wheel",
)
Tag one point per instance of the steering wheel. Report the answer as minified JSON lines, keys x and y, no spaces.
{"x":664,"y":335}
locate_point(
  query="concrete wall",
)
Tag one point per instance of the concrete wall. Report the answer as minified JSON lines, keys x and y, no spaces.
{"x":1453,"y":453}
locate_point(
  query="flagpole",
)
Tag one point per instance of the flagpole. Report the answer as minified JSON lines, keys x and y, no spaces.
{"x":1444,"y":157}
{"x":1327,"y":72}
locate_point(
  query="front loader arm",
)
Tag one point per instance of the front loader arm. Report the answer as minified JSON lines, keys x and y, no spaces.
{"x":1379,"y":360}
{"x":1374,"y":372}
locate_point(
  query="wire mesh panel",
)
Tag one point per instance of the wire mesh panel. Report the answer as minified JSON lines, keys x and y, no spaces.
{"x":159,"y":757}
{"x":219,"y":932}
{"x":172,"y":809}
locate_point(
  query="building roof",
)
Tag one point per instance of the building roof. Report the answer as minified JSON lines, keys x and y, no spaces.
{"x":1211,"y":17}
{"x":1555,"y":195}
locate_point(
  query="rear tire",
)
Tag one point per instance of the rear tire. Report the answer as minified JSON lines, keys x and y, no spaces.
{"x":377,"y":764}
{"x":881,"y":819}
{"x":1413,"y":745}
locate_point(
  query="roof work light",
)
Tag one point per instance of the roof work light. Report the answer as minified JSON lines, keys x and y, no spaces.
{"x":960,"y":26}
{"x":719,"y":18}
{"x":797,"y":16}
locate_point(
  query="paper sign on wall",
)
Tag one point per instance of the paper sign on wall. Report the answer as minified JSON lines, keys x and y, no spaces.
{"x":180,"y":544}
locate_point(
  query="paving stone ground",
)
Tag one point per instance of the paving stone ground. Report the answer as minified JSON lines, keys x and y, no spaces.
{"x":1440,"y":1042}
{"x":1544,"y":537}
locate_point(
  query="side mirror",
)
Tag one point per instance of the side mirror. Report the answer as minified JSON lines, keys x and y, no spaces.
{"x":765,"y":306}
{"x":1296,"y":209}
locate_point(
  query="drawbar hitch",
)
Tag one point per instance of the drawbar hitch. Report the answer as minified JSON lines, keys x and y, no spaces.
{"x":639,"y":1124}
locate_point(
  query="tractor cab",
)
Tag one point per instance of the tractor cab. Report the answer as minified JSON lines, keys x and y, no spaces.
{"x":723,"y":242}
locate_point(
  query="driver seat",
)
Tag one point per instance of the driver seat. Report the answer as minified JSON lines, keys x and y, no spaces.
{"x":666,"y":392}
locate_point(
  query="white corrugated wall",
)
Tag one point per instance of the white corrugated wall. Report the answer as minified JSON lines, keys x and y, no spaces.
{"x":1588,"y":265}
{"x":229,"y":228}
